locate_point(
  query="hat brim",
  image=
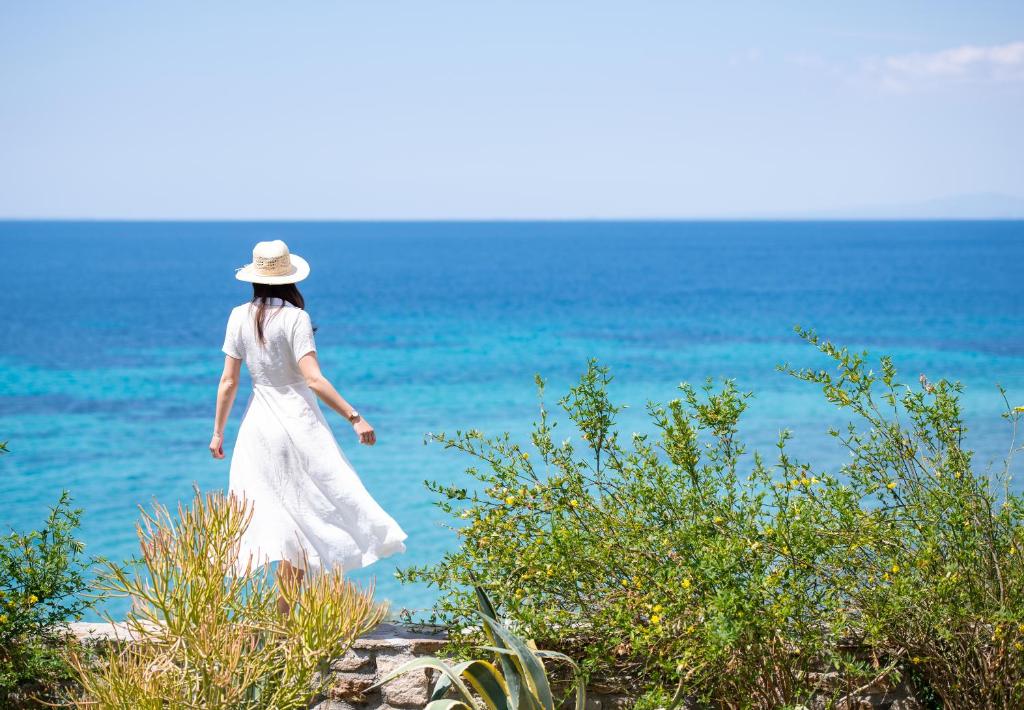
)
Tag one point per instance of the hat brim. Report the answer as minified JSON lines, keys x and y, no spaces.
{"x":300,"y":270}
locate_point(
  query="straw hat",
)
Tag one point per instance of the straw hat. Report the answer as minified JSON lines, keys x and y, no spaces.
{"x":273,"y":264}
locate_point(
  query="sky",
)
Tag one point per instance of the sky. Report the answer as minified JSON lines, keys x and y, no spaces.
{"x":524,"y":110}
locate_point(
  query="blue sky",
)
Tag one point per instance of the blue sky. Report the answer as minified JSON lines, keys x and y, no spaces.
{"x":403,"y":110}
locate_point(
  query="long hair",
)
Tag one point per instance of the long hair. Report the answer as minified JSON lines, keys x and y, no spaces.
{"x":262,"y":292}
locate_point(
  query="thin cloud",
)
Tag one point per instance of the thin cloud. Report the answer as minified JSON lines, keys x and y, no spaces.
{"x":965,"y":64}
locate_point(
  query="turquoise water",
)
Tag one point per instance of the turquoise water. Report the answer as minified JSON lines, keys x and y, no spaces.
{"x":109,"y":347}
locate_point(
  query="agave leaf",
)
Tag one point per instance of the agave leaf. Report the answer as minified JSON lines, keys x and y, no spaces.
{"x":487,"y":681}
{"x":447,"y":705}
{"x":432,"y":663}
{"x":581,"y":691}
{"x":508,"y":668}
{"x":484,"y":604}
{"x":441,"y":687}
{"x":533,"y":669}
{"x":581,"y":695}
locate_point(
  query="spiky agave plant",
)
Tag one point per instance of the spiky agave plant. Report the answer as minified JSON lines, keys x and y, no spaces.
{"x":516,"y":680}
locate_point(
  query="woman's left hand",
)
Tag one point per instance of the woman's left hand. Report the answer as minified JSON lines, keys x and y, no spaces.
{"x":365,"y":432}
{"x":217,"y":446}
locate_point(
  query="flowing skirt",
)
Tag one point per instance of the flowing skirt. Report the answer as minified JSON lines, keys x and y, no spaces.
{"x":309,"y":506}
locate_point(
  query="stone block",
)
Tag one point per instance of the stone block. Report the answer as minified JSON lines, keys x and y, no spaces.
{"x":417,"y":640}
{"x":408,"y":690}
{"x":355,"y":660}
{"x":351,"y":686}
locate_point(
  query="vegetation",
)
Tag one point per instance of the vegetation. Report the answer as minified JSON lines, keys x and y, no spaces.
{"x":42,"y":580}
{"x":520,"y":684}
{"x":673,"y":563}
{"x":207,"y":634}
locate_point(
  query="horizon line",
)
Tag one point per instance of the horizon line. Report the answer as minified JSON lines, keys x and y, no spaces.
{"x":492,"y":220}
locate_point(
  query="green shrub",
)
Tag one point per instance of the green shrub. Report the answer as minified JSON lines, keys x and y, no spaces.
{"x":927,"y":549}
{"x":207,"y":633}
{"x":42,"y":586}
{"x":673,"y":561}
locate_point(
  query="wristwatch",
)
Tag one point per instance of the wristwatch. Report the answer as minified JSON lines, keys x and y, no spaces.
{"x":353,"y":417}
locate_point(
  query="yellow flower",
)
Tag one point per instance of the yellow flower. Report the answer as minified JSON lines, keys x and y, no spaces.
{"x":32,"y":598}
{"x":755,"y":545}
{"x":1019,"y":409}
{"x":510,"y":500}
{"x":657,"y":609}
{"x":890,"y":485}
{"x":718,"y":519}
{"x":3,"y":618}
{"x":686,"y":583}
{"x":525,"y":456}
{"x":805,"y":480}
{"x":915,"y":659}
{"x":814,"y":479}
{"x":574,"y":503}
{"x":895,"y":569}
{"x":655,"y":619}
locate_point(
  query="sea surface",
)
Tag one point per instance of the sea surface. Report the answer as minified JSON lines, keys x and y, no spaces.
{"x":110,"y":340}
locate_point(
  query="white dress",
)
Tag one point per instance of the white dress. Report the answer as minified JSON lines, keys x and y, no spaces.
{"x":308,"y":502}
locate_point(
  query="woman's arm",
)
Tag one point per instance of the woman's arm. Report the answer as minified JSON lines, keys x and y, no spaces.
{"x":309,"y":366}
{"x":226,"y":391}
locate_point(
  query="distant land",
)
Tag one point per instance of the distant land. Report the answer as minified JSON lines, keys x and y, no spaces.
{"x":983,"y":205}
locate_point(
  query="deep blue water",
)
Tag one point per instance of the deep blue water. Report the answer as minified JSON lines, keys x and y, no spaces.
{"x":109,"y":343}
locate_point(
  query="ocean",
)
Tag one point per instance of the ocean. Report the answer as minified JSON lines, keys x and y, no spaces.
{"x":111,"y":333}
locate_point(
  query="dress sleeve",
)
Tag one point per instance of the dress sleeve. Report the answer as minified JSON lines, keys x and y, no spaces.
{"x":233,"y":338}
{"x":302,"y":336}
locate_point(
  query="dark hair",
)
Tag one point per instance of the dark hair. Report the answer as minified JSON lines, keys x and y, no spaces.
{"x":262,"y":292}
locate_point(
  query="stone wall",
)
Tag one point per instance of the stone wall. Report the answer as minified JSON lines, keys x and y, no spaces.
{"x":389,"y":646}
{"x":374,"y":656}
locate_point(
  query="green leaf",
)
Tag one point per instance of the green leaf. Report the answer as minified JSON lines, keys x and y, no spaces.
{"x":508,"y":668}
{"x":487,"y":681}
{"x":447,"y":705}
{"x":531,"y":666}
{"x":581,"y":691}
{"x":431,"y":663}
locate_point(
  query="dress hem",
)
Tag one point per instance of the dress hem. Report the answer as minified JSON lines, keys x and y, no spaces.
{"x":366,"y":559}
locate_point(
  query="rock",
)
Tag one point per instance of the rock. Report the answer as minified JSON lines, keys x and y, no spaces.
{"x":351,"y":686}
{"x":392,"y":637}
{"x":355,"y":660}
{"x":334,"y":705}
{"x":409,"y":689}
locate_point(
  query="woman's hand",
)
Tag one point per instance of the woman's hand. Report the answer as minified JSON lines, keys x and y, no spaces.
{"x":217,"y":446}
{"x":365,"y":432}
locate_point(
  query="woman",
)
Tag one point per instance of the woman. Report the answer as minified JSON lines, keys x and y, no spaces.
{"x":310,"y":510}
